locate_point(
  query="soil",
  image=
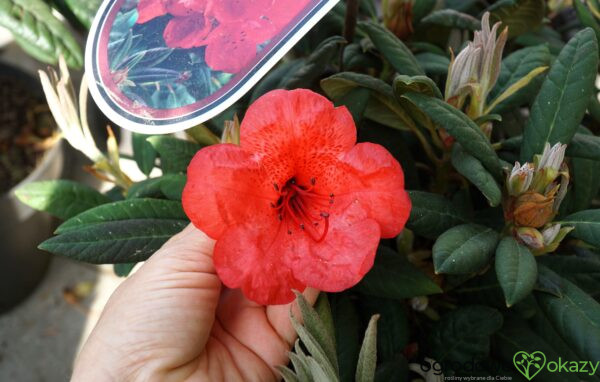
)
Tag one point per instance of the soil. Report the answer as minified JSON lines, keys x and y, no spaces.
{"x":27,"y":130}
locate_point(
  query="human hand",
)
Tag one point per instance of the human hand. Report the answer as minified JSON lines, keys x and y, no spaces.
{"x":173,"y":321}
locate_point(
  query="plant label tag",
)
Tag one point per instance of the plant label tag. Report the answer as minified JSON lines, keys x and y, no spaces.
{"x":160,"y":66}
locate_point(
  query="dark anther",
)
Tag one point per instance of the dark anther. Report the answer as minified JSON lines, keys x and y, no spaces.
{"x":293,"y":181}
{"x":331,"y":195}
{"x":280,"y":217}
{"x":313,"y":181}
{"x":272,"y":205}
{"x":302,"y":227}
{"x":324,"y":214}
{"x":289,"y":232}
{"x":276,"y":186}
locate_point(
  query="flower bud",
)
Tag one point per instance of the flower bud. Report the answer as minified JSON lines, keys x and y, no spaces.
{"x":231,"y":131}
{"x":552,"y":157}
{"x":530,"y":237}
{"x":532,"y":209}
{"x":520,"y":178}
{"x":397,"y":17}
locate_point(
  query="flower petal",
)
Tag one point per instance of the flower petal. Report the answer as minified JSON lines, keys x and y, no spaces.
{"x":186,"y":7}
{"x":343,"y":257}
{"x":294,"y":130}
{"x":231,"y":48}
{"x":149,"y":9}
{"x":225,"y":187}
{"x":186,"y":32}
{"x":235,"y":10}
{"x":380,"y":188}
{"x":249,"y":256}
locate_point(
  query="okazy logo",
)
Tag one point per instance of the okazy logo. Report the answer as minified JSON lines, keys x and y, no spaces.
{"x":531,"y":364}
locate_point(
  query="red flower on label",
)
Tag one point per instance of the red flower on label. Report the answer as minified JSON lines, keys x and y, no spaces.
{"x":298,"y":203}
{"x":231,"y":30}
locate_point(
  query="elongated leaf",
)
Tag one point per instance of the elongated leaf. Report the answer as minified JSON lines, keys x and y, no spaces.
{"x":584,"y":146}
{"x":576,"y":316}
{"x":464,"y":334}
{"x":586,"y":224}
{"x":39,"y":32}
{"x":60,"y":198}
{"x":169,"y":186}
{"x":516,"y":270}
{"x":392,"y":48}
{"x":393,"y":331}
{"x":519,"y":16}
{"x":585,"y":177}
{"x":471,"y":168}
{"x":367,"y":359}
{"x":393,"y":276}
{"x":583,"y":272}
{"x":418,"y":84}
{"x":433,"y":63}
{"x":466,"y":132}
{"x":516,"y":87}
{"x":125,"y":210}
{"x":287,"y":374}
{"x":175,"y":154}
{"x":586,"y":16}
{"x":464,"y":249}
{"x":432,"y":214}
{"x":202,"y":135}
{"x":515,"y":67}
{"x":126,"y":241}
{"x":143,"y":153}
{"x":316,"y":351}
{"x":563,"y":98}
{"x":315,"y":64}
{"x":315,"y":326}
{"x":452,"y":19}
{"x":84,"y":10}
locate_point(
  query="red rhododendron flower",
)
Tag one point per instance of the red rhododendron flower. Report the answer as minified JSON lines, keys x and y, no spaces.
{"x":231,"y":30}
{"x":298,"y":203}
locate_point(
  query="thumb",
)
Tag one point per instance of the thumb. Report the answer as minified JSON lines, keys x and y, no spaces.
{"x":165,"y":310}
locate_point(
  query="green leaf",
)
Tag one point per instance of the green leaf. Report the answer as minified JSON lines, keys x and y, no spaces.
{"x":202,"y":135}
{"x":39,"y":32}
{"x":576,"y":316}
{"x":583,"y":272}
{"x":519,"y":16}
{"x":318,"y":354}
{"x":392,"y":48}
{"x":356,"y":101}
{"x":466,"y":132}
{"x":393,"y":276}
{"x":393,"y":331}
{"x":516,"y":270}
{"x":317,"y":328}
{"x":125,"y":241}
{"x":275,"y":78}
{"x":516,"y":87}
{"x":586,"y":17}
{"x":471,"y":168}
{"x":418,"y":84}
{"x":452,"y":19}
{"x":432,"y":214}
{"x":584,"y":146}
{"x":464,"y":249}
{"x":143,"y":153}
{"x":169,"y":186}
{"x":123,"y":270}
{"x":60,"y":198}
{"x":315,"y":64}
{"x":125,"y":210}
{"x":585,"y":177}
{"x":515,"y":67}
{"x":586,"y":224}
{"x":84,"y":10}
{"x":433,"y":64}
{"x":563,"y":97}
{"x":175,"y":154}
{"x":464,"y":334}
{"x":367,"y":359}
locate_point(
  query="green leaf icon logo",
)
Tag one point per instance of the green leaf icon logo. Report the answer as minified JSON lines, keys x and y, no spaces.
{"x":529,"y":364}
